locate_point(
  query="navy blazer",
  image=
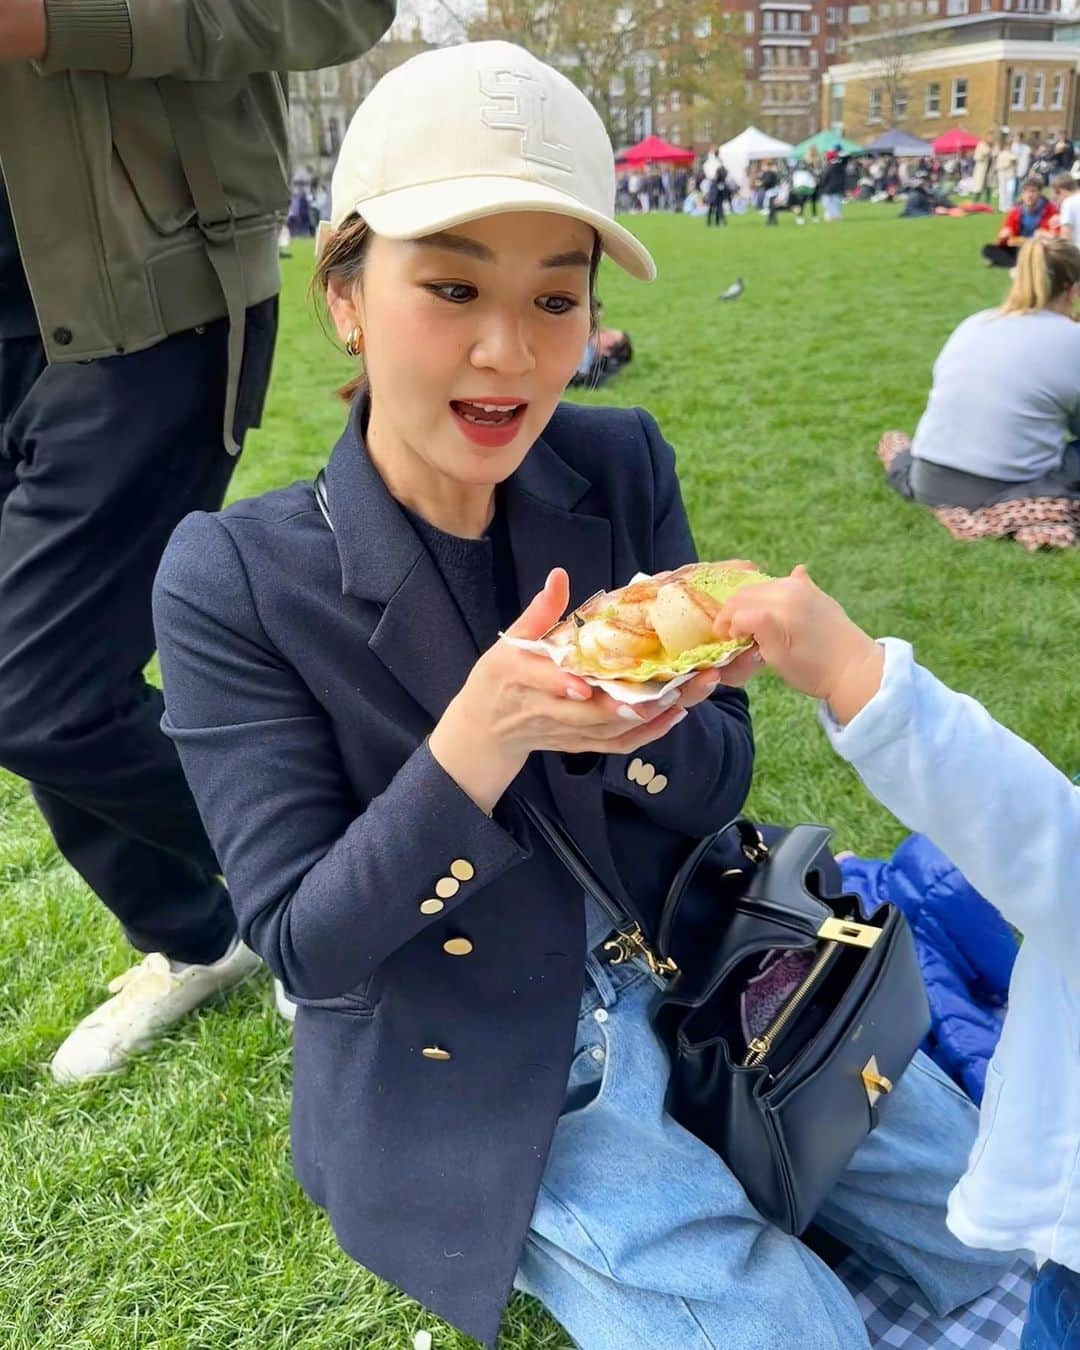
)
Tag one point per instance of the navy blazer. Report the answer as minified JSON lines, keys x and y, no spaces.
{"x":303,"y":670}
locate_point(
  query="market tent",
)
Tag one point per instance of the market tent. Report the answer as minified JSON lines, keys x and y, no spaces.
{"x":750,"y":145}
{"x":653,"y":150}
{"x":900,"y":143}
{"x":823,"y":142}
{"x":955,"y":142}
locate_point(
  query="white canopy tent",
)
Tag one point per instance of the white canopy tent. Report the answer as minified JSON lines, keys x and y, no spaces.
{"x":747,"y":146}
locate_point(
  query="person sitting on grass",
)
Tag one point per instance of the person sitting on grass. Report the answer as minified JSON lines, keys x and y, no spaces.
{"x":470,"y":1068}
{"x":1032,"y":215}
{"x":1067,"y":201}
{"x":1010,"y":821}
{"x":995,"y":453}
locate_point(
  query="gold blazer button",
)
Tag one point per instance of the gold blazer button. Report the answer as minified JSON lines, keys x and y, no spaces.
{"x":446,"y":888}
{"x":462,"y":869}
{"x":457,"y":947}
{"x":431,"y":906}
{"x":435,"y":1052}
{"x":655,"y":785}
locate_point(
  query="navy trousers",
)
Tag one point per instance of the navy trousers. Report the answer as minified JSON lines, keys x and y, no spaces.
{"x":99,"y":461}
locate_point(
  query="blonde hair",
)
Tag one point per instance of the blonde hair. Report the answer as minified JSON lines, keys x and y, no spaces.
{"x":343,"y":258}
{"x":1045,"y":269}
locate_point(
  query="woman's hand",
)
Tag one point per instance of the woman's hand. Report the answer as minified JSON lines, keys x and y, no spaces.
{"x":809,"y":641}
{"x":515,"y":702}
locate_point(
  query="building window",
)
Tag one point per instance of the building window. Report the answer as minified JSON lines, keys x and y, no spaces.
{"x":1057,"y":92}
{"x":899,"y":106}
{"x":814,"y":25}
{"x":830,"y":46}
{"x":676,"y":100}
{"x":767,"y":20}
{"x":932,"y":6}
{"x":303,"y":141}
{"x":675,"y":133}
{"x":813,"y":58}
{"x":959,"y":96}
{"x":1019,"y":84}
{"x":703,"y":27}
{"x":1038,"y":90}
{"x":329,"y":82}
{"x":858,"y":14}
{"x":884,"y":11}
{"x":748,"y":56}
{"x":781,"y":21}
{"x":331,"y":136}
{"x":916,"y":8}
{"x":874,"y":106}
{"x":984,"y":5}
{"x":933,"y":100}
{"x":767,"y":54}
{"x":834,"y":14}
{"x":796,"y":23}
{"x":956,"y":7}
{"x":748,"y":22}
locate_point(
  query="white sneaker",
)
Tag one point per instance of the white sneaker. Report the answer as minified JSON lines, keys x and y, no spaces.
{"x":284,"y":1004}
{"x":148,"y":998}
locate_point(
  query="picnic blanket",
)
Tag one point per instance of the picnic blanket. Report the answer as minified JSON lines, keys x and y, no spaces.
{"x":897,"y":1319}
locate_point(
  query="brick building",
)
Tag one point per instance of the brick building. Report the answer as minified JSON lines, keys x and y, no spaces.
{"x":784,"y":46}
{"x":984,"y":72}
{"x":787,"y":46}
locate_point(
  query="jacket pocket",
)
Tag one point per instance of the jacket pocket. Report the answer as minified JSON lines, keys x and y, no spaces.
{"x":146,"y":153}
{"x":351,"y":1004}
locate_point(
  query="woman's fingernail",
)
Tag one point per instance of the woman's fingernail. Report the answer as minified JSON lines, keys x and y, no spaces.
{"x":757,"y":659}
{"x":676,"y":720}
{"x":628,"y":714}
{"x":672,"y":696}
{"x":577,"y":695}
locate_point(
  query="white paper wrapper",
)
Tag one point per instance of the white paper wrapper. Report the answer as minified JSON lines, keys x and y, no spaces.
{"x":623,"y":691}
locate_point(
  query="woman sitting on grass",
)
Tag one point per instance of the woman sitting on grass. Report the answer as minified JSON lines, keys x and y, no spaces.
{"x":994,"y":453}
{"x":478,"y":1095}
{"x":1011,"y":822}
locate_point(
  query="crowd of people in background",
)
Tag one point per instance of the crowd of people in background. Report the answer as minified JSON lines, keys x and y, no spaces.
{"x":992,"y":173}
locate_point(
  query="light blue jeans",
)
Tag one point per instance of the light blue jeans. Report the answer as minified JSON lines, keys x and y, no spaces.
{"x":643,"y":1240}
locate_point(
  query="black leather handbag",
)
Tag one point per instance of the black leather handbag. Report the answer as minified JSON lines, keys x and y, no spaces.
{"x":787,"y":1107}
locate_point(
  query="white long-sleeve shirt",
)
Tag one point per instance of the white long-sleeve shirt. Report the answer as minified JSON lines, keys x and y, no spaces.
{"x":1011,"y":823}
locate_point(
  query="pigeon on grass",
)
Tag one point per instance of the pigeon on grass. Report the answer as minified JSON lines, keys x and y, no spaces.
{"x":733,"y":291}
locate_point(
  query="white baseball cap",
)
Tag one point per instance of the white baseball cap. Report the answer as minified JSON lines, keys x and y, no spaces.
{"x":477,"y":130}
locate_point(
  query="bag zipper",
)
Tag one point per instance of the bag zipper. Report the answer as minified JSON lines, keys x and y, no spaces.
{"x":840,"y":932}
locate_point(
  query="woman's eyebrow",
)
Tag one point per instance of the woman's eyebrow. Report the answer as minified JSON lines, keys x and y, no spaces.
{"x":457,"y":243}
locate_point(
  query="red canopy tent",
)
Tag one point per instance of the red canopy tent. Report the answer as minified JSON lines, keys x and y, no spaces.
{"x":652,"y":150}
{"x":955,"y":142}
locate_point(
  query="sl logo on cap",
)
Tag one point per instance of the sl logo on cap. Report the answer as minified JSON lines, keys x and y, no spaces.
{"x":519,"y":106}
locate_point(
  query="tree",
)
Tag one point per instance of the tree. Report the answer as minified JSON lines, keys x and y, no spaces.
{"x":888,"y":45}
{"x":702,"y":61}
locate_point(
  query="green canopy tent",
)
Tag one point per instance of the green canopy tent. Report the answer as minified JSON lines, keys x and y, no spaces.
{"x":823,"y":142}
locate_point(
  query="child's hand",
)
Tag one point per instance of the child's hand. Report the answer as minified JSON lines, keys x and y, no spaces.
{"x":808,"y":640}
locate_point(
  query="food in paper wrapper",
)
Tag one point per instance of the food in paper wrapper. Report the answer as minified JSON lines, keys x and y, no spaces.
{"x":653,"y":630}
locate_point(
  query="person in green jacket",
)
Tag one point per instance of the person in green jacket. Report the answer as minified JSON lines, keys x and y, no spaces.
{"x":144,"y":159}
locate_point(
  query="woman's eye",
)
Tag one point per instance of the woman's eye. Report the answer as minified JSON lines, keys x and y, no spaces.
{"x":557,"y":304}
{"x":454,"y":291}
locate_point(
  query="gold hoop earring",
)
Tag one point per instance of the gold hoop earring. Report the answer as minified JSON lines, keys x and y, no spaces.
{"x":352,"y":342}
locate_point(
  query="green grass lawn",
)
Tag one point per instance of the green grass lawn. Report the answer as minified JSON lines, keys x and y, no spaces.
{"x":159,"y":1209}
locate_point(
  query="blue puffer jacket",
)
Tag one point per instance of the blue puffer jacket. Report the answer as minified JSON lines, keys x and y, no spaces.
{"x":966,"y":950}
